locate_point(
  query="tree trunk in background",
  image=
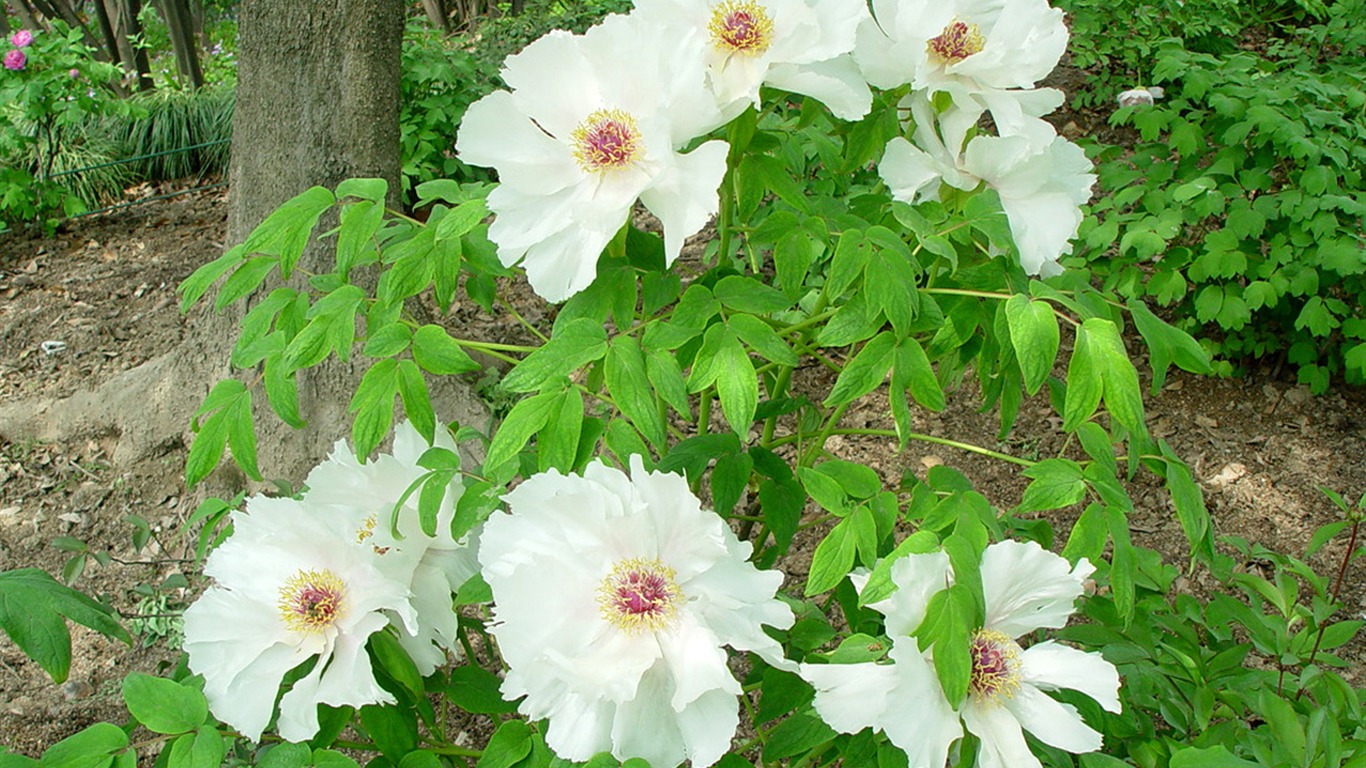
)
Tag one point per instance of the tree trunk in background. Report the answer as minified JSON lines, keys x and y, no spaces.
{"x":22,"y":12}
{"x":437,"y":13}
{"x":317,"y":102}
{"x":122,"y":16}
{"x":184,"y":42}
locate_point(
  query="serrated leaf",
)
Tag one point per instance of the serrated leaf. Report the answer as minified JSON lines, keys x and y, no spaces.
{"x":475,"y":689}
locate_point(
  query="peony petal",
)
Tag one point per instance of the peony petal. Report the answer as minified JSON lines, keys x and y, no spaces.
{"x":707,"y":726}
{"x":912,"y":175}
{"x":917,"y":578}
{"x":696,"y":662}
{"x":1050,"y":666}
{"x":494,"y":133}
{"x":1003,"y":742}
{"x":553,"y":83}
{"x":647,"y":727}
{"x":685,"y":196}
{"x":1052,"y":722}
{"x":579,"y":726}
{"x":851,"y":697}
{"x":1027,"y":587}
{"x":836,"y":83}
{"x":927,"y":735}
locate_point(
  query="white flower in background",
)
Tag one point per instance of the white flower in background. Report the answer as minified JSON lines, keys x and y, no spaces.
{"x":360,"y":498}
{"x":592,"y":124}
{"x":287,"y":589}
{"x":972,"y":44}
{"x":1042,"y":186}
{"x":802,"y":46}
{"x":987,"y":54}
{"x":1026,"y":588}
{"x":613,"y":597}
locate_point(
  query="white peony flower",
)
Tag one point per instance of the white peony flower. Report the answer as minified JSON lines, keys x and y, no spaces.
{"x":613,"y":597}
{"x":802,"y":46}
{"x":1026,"y":588}
{"x":592,"y":124}
{"x":1042,"y":186}
{"x":943,"y":45}
{"x":360,"y":498}
{"x":289,"y":588}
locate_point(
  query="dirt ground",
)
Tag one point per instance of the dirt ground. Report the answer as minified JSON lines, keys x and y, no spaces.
{"x":98,"y":298}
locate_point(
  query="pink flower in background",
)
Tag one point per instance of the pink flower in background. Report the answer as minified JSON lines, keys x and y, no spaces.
{"x":21,"y":39}
{"x":15,"y":60}
{"x":74,"y":73}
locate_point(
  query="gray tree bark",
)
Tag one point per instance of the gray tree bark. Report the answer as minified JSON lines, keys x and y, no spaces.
{"x":318,"y":90}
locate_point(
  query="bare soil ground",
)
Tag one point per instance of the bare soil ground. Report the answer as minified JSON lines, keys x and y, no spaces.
{"x":98,"y":298}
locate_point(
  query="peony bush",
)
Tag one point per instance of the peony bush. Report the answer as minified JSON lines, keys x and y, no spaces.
{"x":601,"y":579}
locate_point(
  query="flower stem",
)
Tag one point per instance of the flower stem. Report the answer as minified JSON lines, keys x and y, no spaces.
{"x":1337,"y":585}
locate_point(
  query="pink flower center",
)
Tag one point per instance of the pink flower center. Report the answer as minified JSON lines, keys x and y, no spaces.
{"x":312,"y":601}
{"x":958,"y":41}
{"x":741,"y":26}
{"x":639,"y":595}
{"x":995,"y":666}
{"x":608,"y":139}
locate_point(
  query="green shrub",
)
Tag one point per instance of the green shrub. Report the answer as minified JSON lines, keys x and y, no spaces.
{"x":1241,"y":205}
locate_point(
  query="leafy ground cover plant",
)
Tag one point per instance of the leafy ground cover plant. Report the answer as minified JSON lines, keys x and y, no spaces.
{"x":1241,"y":205}
{"x":633,"y":511}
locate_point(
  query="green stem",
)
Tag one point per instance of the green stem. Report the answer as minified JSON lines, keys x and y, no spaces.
{"x":977,"y":449}
{"x":704,"y":411}
{"x":779,"y":389}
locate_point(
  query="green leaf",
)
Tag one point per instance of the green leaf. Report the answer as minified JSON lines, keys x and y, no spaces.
{"x":1057,"y":483}
{"x":558,"y":441}
{"x":388,"y":341}
{"x":475,"y":689}
{"x":729,"y":478}
{"x":662,"y":369}
{"x":525,"y":419}
{"x":374,"y":190}
{"x":880,"y":585}
{"x":1213,"y":757}
{"x":832,"y":561}
{"x":211,"y":434}
{"x":866,"y":371}
{"x":164,"y":706}
{"x":417,"y":402}
{"x":510,"y":743}
{"x":947,"y":624}
{"x":1190,"y":505}
{"x":33,"y":609}
{"x":356,"y":235}
{"x":824,"y":490}
{"x":1167,"y":345}
{"x":287,"y":755}
{"x":1088,"y":535}
{"x":438,"y":353}
{"x":283,"y":393}
{"x":745,"y":294}
{"x":245,"y":279}
{"x":461,"y":219}
{"x":93,"y":747}
{"x":912,"y":374}
{"x":737,"y":386}
{"x":761,"y":338}
{"x":285,"y":232}
{"x":1034,"y":334}
{"x":571,"y":346}
{"x":797,"y":734}
{"x":373,"y":406}
{"x":331,"y":328}
{"x":194,"y":286}
{"x":628,"y":382}
{"x":851,"y":255}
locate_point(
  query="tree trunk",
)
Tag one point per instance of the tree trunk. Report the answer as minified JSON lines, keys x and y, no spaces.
{"x":124,"y":26}
{"x":437,"y":13}
{"x":22,"y":12}
{"x":318,"y":91}
{"x":184,"y":42}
